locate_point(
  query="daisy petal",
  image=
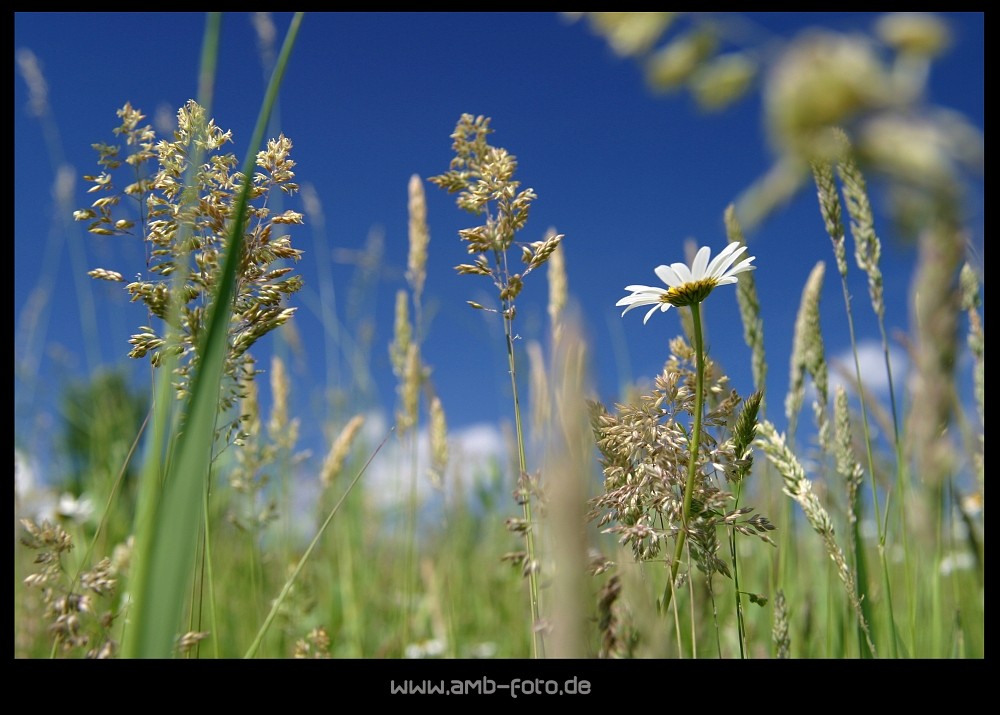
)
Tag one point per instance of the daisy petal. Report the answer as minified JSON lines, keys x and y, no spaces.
{"x":721,"y":263}
{"x":644,"y":289}
{"x":700,"y":263}
{"x":634,"y":301}
{"x":640,"y":298}
{"x":651,"y":311}
{"x":683,"y":272}
{"x":668,"y":276}
{"x":742,"y":266}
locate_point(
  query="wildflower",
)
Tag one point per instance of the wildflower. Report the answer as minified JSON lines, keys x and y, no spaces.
{"x":79,"y":510}
{"x":688,"y":286}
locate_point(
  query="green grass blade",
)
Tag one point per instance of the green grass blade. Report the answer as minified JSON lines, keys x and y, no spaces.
{"x":171,"y":534}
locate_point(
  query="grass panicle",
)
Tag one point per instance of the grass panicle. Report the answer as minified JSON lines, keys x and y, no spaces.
{"x":809,"y":356}
{"x":799,"y":488}
{"x":483,"y":177}
{"x":746,"y":297}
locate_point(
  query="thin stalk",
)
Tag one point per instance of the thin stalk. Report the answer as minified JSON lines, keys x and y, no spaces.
{"x":409,"y":579}
{"x":691,"y":616}
{"x":937,"y":596}
{"x":409,"y":564}
{"x":85,"y":304}
{"x":351,"y":615}
{"x":871,"y":471}
{"x":537,"y":644}
{"x":677,"y":621}
{"x":860,"y":573}
{"x":715,"y":619}
{"x":902,"y":480}
{"x":209,"y":577}
{"x":111,"y":497}
{"x":286,"y":589}
{"x":740,"y":622}
{"x":256,"y":579}
{"x":787,"y":546}
{"x":831,"y":619}
{"x":54,"y":247}
{"x":699,"y":400}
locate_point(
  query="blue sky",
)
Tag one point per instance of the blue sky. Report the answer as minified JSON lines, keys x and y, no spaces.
{"x":370,"y":99}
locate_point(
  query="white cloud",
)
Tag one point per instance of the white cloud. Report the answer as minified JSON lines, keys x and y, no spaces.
{"x":475,"y":453}
{"x":871,"y":361}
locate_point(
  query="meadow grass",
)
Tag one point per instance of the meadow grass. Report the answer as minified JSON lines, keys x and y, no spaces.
{"x":673,"y":521}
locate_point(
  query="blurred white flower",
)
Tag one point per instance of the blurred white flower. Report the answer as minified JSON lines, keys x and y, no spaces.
{"x":433,"y":648}
{"x":77,"y":509}
{"x":958,"y":561}
{"x":31,"y":498}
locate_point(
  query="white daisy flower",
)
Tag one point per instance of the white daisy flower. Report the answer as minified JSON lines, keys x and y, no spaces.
{"x":688,"y":286}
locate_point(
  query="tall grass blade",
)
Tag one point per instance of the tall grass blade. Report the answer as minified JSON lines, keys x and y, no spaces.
{"x":170,"y":520}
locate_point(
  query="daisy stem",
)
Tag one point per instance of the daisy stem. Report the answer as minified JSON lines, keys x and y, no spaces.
{"x":695,"y":444}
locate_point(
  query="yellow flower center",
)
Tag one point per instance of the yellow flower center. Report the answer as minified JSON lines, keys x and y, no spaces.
{"x":691,"y":293}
